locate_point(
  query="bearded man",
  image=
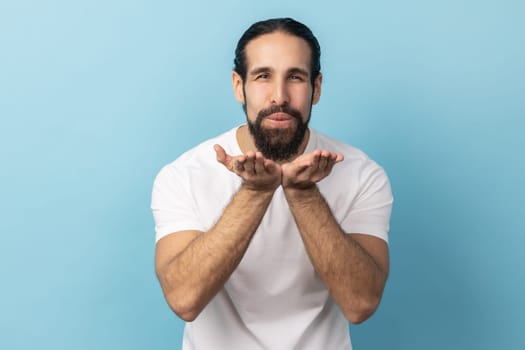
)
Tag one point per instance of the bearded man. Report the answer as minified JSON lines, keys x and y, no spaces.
{"x":272,"y":235}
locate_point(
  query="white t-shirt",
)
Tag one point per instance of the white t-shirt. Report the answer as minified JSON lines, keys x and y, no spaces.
{"x":274,"y":299}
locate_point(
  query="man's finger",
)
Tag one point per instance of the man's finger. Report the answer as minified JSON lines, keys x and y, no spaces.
{"x":270,"y":166}
{"x":249,"y":167}
{"x":238,"y":165}
{"x":259,"y":163}
{"x":323,"y":160}
{"x":336,"y":158}
{"x":329,"y":166}
{"x":248,"y":162}
{"x":315,"y":161}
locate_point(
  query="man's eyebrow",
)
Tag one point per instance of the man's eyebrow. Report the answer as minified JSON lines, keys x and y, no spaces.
{"x":259,"y":70}
{"x":297,"y":70}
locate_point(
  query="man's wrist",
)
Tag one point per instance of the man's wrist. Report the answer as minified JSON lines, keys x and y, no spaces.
{"x":301,"y":193}
{"x":256,"y":190}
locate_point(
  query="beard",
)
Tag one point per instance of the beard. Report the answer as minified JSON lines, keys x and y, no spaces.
{"x":278,"y":144}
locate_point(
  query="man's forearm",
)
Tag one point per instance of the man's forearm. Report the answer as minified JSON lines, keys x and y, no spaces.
{"x":352,"y":276}
{"x":193,"y":277}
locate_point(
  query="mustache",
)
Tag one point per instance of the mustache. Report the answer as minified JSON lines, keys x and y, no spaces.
{"x":279,"y":109}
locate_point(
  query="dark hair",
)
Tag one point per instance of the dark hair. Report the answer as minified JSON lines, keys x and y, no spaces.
{"x":284,"y":25}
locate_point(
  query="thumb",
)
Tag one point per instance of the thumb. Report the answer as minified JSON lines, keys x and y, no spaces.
{"x":220,"y":152}
{"x":222,"y":156}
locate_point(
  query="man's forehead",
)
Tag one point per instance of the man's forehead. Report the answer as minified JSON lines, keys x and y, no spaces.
{"x":278,"y":49}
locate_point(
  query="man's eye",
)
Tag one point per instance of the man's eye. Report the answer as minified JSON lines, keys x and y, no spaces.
{"x":296,"y":77}
{"x":263,"y":76}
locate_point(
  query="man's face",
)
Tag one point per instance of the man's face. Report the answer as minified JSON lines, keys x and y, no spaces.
{"x":277,"y":94}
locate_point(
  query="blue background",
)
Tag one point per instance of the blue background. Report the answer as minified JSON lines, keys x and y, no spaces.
{"x":96,"y":96}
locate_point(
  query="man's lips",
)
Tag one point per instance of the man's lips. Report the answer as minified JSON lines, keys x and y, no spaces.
{"x":280,"y":116}
{"x":279,"y":120}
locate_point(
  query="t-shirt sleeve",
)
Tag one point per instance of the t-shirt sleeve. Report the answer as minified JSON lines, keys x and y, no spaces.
{"x":172,"y":204}
{"x":371,"y":209}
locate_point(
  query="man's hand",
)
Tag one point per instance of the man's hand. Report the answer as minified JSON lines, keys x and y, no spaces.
{"x":308,"y":169}
{"x":257,"y":172}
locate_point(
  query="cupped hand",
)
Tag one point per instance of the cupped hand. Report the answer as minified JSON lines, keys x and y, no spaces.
{"x":308,"y":169}
{"x":256,"y":172}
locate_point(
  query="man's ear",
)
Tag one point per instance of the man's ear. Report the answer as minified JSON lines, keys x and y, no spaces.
{"x":238,"y":90}
{"x":317,"y":88}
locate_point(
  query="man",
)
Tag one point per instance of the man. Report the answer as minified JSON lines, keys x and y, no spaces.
{"x":272,"y":235}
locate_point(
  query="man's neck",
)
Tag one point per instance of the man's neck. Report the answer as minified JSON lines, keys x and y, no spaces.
{"x":247,"y":143}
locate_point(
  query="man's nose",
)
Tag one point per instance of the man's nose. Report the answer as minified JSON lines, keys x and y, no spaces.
{"x":280,"y":94}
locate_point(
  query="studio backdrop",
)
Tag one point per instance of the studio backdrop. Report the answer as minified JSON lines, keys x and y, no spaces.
{"x":97,"y":96}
